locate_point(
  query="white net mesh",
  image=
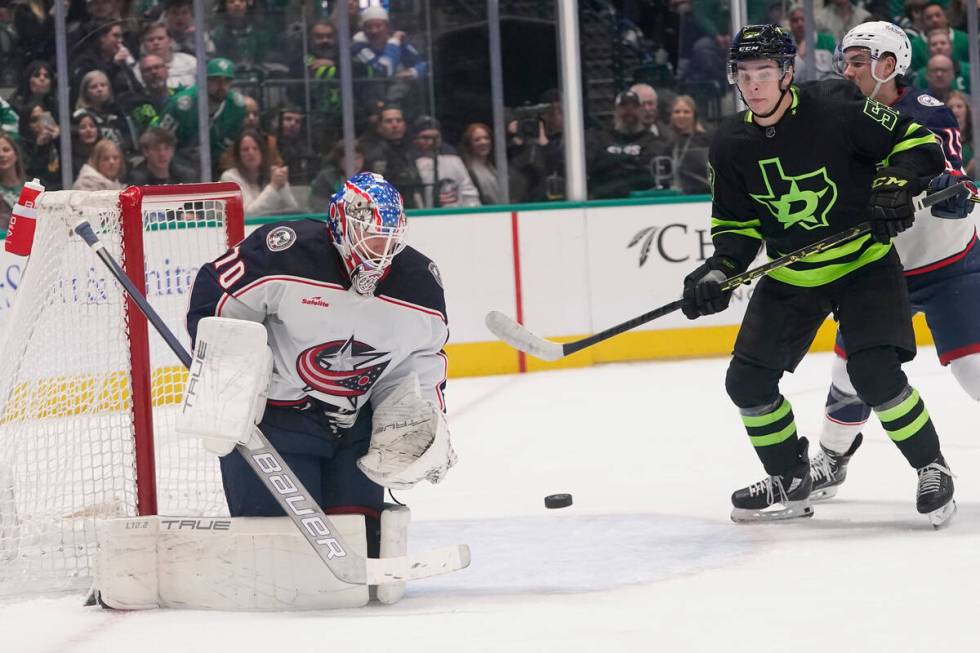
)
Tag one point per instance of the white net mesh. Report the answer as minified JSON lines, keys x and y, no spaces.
{"x":67,"y":453}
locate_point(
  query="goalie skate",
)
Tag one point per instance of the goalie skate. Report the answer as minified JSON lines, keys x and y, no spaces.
{"x":777,"y":497}
{"x":934,"y":497}
{"x":829,"y":469}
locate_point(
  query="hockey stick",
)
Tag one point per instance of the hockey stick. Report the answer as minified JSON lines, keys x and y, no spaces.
{"x":520,"y":338}
{"x":286,"y":487}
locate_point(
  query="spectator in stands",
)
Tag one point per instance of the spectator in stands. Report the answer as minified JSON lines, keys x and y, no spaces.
{"x":476,"y":150}
{"x":703,"y":35}
{"x":392,"y":155}
{"x":11,"y":178}
{"x":956,"y":14}
{"x":239,"y":34}
{"x":265,"y":187}
{"x":84,"y":135}
{"x":9,"y":120}
{"x":940,"y":77}
{"x":39,"y":138}
{"x":153,"y":73}
{"x":934,"y":17}
{"x":95,"y":97}
{"x":332,"y":176}
{"x":650,"y":109}
{"x":537,"y":164}
{"x":181,"y":67}
{"x":353,"y":14}
{"x":36,"y":86}
{"x":34,"y":26}
{"x":102,"y":49}
{"x":823,"y":52}
{"x":320,"y":65}
{"x":959,"y":104}
{"x":690,"y":151}
{"x":445,"y":179}
{"x":253,"y":120}
{"x":838,"y":17}
{"x":178,"y":16}
{"x":158,"y":165}
{"x":104,"y":169}
{"x":619,"y":160}
{"x":293,"y":146}
{"x":939,"y":43}
{"x":388,"y":54}
{"x":10,"y":55}
{"x":914,"y":24}
{"x":226,"y":108}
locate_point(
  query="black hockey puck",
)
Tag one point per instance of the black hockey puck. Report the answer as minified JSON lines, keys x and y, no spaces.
{"x":562,"y":500}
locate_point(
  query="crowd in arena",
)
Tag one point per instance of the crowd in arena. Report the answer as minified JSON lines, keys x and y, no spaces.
{"x":274,"y":98}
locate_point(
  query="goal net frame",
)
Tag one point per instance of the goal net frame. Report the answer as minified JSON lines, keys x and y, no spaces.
{"x":52,"y":550}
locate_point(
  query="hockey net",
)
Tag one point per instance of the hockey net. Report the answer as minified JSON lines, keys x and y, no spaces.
{"x":89,"y":395}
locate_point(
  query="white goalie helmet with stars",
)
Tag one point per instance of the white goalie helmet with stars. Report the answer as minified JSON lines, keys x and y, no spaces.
{"x":366,"y":222}
{"x":879,"y":38}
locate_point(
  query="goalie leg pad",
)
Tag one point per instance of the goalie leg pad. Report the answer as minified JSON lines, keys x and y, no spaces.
{"x":220,"y":564}
{"x":394,"y":543}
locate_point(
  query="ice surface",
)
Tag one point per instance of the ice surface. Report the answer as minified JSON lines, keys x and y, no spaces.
{"x":646,"y":559}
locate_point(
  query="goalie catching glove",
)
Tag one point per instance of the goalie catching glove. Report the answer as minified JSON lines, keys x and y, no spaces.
{"x":409,"y":440}
{"x":227,"y":383}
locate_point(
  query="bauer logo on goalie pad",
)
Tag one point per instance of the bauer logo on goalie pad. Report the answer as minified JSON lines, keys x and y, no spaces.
{"x":280,"y":238}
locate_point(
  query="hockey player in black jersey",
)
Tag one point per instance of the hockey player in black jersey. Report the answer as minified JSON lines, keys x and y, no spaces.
{"x":356,"y":322}
{"x":804,"y":162}
{"x":939,"y":254}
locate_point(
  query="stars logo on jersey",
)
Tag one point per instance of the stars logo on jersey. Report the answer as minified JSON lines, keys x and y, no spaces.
{"x":280,"y":238}
{"x":803,"y":200}
{"x":341,"y":368}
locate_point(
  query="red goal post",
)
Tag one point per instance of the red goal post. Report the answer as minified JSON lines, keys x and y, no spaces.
{"x":87,"y":408}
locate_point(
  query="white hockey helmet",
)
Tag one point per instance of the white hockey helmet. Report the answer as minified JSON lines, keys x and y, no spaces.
{"x":879,"y":38}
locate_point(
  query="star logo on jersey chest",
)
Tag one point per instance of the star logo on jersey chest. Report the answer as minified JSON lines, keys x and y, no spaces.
{"x":797,"y":200}
{"x":341,"y":368}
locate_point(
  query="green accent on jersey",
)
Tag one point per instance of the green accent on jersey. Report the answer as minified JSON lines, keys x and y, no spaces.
{"x":912,"y":429}
{"x":900,"y":410}
{"x":831,"y":272}
{"x":758,"y":425}
{"x":915,"y":136}
{"x":749,"y":228}
{"x":767,"y":418}
{"x":711,"y":180}
{"x":803,"y":200}
{"x":878,"y":112}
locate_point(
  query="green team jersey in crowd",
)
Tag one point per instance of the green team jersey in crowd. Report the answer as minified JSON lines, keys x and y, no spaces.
{"x":809,"y":176}
{"x":180,"y":117}
{"x":9,"y":121}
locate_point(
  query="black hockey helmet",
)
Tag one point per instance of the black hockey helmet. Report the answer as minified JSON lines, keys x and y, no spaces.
{"x":761,"y":42}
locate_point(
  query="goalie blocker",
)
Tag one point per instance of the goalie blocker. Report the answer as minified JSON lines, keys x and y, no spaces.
{"x":240,"y":563}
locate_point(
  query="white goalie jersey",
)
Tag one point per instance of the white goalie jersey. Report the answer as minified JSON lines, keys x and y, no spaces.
{"x":328,"y":342}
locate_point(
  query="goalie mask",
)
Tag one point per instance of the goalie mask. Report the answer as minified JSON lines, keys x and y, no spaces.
{"x":366,"y":222}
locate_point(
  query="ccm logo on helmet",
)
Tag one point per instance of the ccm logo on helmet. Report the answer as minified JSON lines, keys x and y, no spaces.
{"x":888,"y":181}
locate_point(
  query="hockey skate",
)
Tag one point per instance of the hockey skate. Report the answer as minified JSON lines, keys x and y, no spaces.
{"x":829,"y":469}
{"x":777,"y":497}
{"x":934,"y":497}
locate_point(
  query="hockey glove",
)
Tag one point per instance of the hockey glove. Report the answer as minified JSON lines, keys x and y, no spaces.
{"x":702,"y":288}
{"x":955,"y":208}
{"x":892,"y":212}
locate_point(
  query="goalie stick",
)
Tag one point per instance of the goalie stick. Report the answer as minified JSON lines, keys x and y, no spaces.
{"x":286,"y":487}
{"x":520,"y":338}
